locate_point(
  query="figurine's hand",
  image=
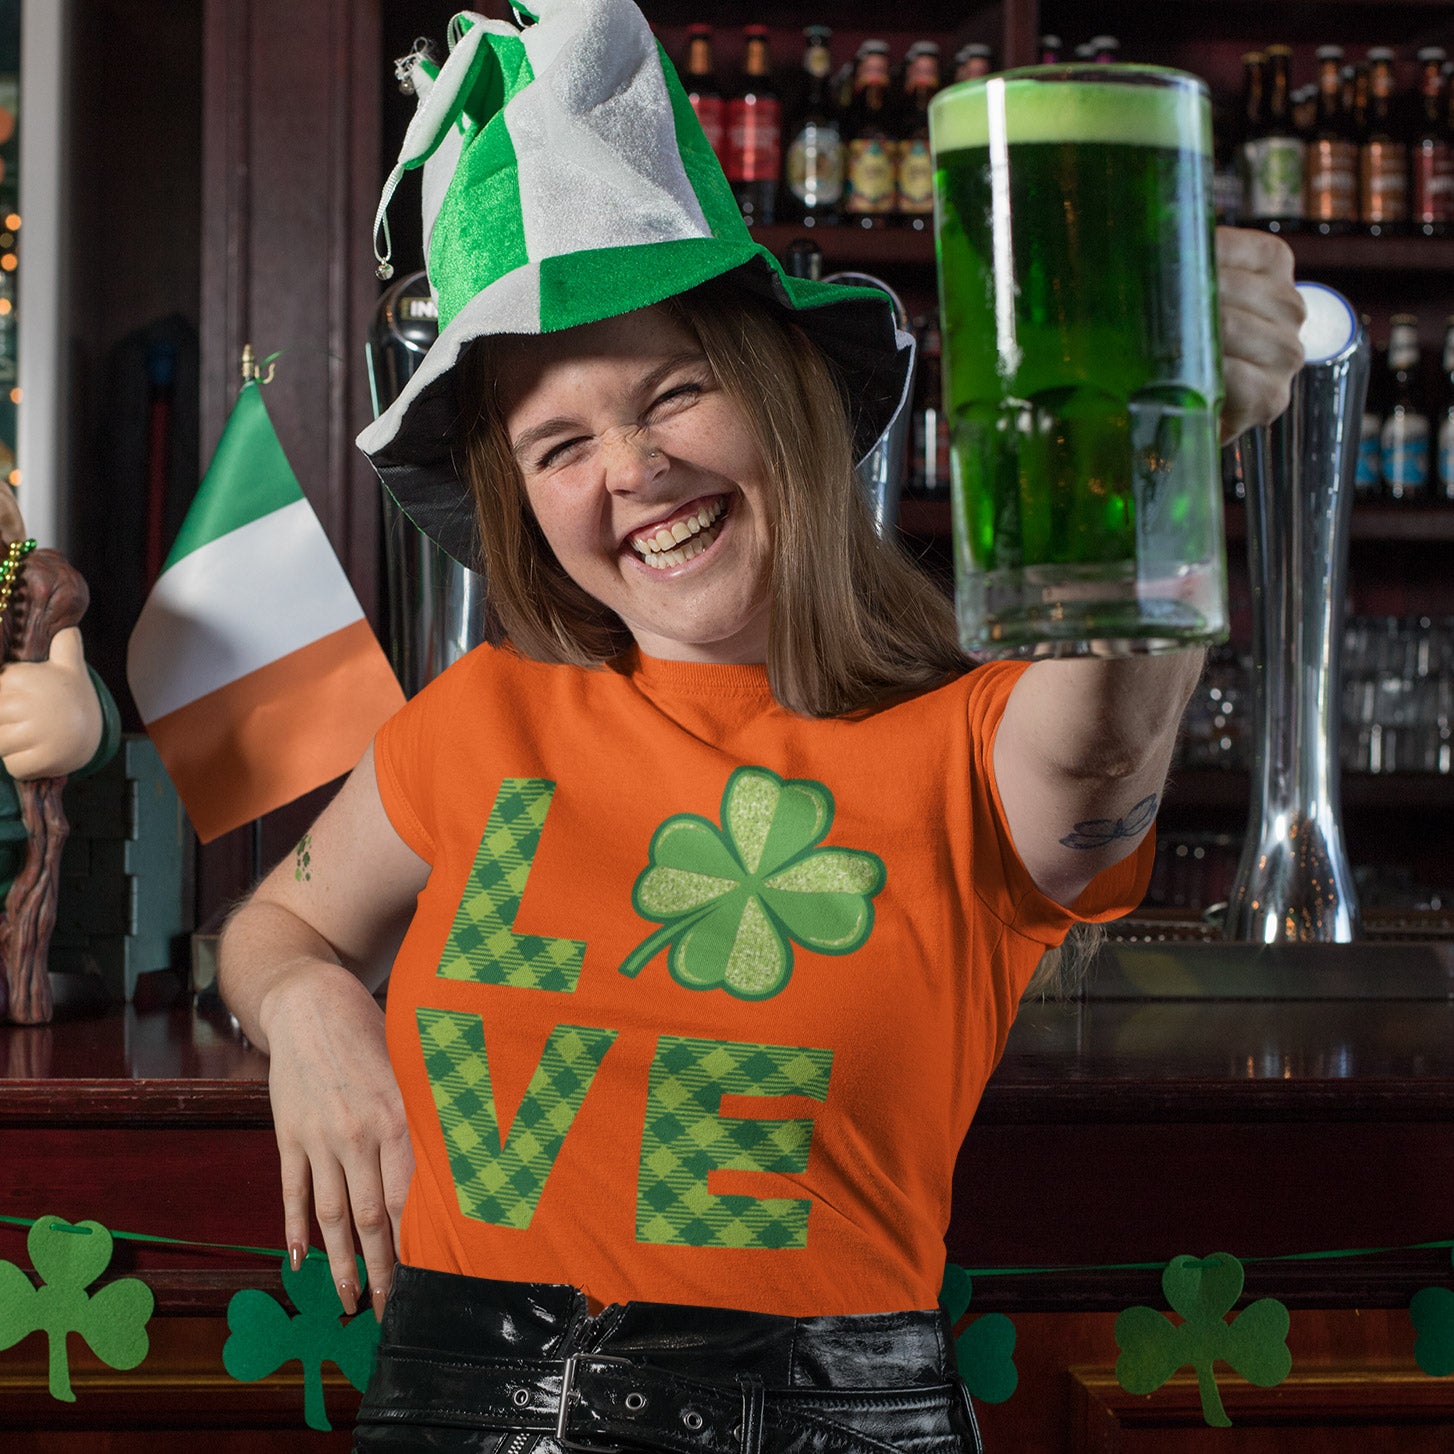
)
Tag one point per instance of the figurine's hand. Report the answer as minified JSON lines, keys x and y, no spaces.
{"x":1262,"y":313}
{"x":50,"y":720}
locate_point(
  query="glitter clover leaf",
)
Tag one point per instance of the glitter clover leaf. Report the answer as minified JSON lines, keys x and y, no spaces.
{"x":263,"y":1336}
{"x":1432,"y":1312}
{"x":732,"y":901}
{"x":984,"y":1350}
{"x":1203,"y":1291}
{"x":69,"y":1258}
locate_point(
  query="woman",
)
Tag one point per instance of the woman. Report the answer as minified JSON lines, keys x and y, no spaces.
{"x":710,"y":896}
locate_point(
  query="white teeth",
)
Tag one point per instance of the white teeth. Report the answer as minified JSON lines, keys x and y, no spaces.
{"x":674,"y":544}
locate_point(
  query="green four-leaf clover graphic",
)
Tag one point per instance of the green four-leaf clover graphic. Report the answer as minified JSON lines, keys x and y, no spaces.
{"x":732,"y":901}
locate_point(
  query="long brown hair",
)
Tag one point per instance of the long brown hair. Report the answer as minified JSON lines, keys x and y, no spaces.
{"x":853,"y":621}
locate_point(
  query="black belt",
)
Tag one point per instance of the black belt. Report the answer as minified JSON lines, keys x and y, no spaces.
{"x":602,"y":1403}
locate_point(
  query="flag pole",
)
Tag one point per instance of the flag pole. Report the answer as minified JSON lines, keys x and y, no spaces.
{"x":251,"y":372}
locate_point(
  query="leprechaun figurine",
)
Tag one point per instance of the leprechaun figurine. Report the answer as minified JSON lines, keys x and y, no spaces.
{"x":56,"y":719}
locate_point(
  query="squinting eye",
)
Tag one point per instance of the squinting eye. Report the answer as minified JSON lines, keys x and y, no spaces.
{"x":556,"y":453}
{"x":680,"y":393}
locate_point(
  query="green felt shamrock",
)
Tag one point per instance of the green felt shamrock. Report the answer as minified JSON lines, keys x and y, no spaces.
{"x":1203,"y":1291}
{"x":69,"y":1259}
{"x":264,"y":1337}
{"x":732,"y":901}
{"x":1432,"y":1311}
{"x":984,"y":1351}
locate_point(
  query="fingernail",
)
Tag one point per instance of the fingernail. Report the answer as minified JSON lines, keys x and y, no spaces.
{"x":380,"y":1297}
{"x":295,"y":1255}
{"x":348,"y":1295}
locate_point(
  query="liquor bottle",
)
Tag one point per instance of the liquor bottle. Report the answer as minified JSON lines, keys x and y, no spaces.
{"x":1445,"y":483}
{"x":701,"y":85}
{"x":915,"y":178}
{"x":871,"y":143}
{"x":1249,"y":127}
{"x":1383,"y":156}
{"x":972,"y":61}
{"x":1276,"y":154}
{"x":814,"y":172}
{"x":1332,"y":190}
{"x":1432,"y":204}
{"x":1405,"y":427}
{"x":754,"y":126}
{"x":1050,"y":50}
{"x":804,"y":259}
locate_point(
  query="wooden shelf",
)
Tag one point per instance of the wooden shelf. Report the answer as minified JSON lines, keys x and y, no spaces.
{"x":845,"y":245}
{"x":1417,"y":524}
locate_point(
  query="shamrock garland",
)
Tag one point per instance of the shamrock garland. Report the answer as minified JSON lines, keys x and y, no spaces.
{"x":1432,"y":1312}
{"x":984,"y":1351}
{"x":69,"y":1259}
{"x":264,"y":1337}
{"x":732,"y":901}
{"x":1203,"y":1291}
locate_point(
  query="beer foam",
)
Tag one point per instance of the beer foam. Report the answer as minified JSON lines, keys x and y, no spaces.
{"x":1036,"y":108}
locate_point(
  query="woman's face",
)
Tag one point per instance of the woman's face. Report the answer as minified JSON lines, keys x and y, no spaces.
{"x":646,"y":482}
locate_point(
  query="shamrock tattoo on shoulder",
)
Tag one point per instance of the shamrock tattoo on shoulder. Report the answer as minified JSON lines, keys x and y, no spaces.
{"x":733,"y":900}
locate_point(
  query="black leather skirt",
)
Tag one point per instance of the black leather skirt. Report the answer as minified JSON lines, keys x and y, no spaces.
{"x":471,"y":1366}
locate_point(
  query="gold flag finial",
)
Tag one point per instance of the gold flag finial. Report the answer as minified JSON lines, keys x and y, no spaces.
{"x":250,"y":369}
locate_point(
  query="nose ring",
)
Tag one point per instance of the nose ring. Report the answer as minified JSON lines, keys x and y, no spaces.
{"x":653,"y":453}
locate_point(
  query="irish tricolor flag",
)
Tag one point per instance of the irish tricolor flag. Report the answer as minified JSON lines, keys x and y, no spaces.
{"x":252,"y":664}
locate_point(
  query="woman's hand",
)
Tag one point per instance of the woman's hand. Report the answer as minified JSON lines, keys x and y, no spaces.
{"x":1262,"y":314}
{"x":342,"y":1137}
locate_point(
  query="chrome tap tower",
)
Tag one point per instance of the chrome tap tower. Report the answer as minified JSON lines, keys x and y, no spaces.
{"x":1293,"y":883}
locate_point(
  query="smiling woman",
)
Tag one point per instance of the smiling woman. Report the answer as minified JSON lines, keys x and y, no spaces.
{"x":709,"y":888}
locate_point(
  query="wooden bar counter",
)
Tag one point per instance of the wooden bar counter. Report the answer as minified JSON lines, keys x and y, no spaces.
{"x":1200,"y":1099}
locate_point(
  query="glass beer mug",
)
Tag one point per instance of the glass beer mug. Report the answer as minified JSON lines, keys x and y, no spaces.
{"x":1081,"y":362}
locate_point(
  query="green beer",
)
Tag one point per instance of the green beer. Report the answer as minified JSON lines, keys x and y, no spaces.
{"x":1082,"y":372}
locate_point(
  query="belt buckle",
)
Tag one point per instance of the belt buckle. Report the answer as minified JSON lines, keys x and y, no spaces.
{"x":568,"y":1393}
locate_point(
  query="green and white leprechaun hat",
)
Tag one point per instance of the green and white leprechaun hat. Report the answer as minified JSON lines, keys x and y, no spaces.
{"x":566,"y":180}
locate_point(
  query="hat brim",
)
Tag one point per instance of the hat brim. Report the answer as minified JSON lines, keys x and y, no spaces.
{"x":412,"y":445}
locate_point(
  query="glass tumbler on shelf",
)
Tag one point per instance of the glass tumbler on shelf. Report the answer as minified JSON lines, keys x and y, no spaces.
{"x":1081,"y":359}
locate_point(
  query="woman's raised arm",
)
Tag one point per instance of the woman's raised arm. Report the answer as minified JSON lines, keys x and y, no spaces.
{"x":298,"y":965}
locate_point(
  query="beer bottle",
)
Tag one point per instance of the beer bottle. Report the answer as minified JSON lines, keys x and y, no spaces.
{"x":814,"y":173}
{"x":971,"y":62}
{"x":1445,"y":485}
{"x":1405,"y":427}
{"x":1383,"y":157}
{"x":1332,"y":200}
{"x":1049,"y":50}
{"x":915,"y":166}
{"x":1368,"y":476}
{"x":1254,"y":74}
{"x":1433,"y":157}
{"x":868,"y":130}
{"x":1226,"y":166}
{"x":1305,"y":110}
{"x":1277,"y":154}
{"x":754,"y":133}
{"x":701,"y":85}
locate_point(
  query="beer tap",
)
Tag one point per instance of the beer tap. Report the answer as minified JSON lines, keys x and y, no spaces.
{"x":1293,"y":882}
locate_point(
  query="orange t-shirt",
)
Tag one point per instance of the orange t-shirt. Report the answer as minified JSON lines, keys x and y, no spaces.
{"x":701,"y":995}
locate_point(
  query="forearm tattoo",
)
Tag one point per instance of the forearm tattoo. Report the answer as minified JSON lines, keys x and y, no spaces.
{"x":303,"y":859}
{"x":1099,"y":832}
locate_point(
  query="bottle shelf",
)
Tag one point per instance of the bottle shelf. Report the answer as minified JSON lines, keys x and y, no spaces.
{"x":846,"y":245}
{"x":1424,"y":524}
